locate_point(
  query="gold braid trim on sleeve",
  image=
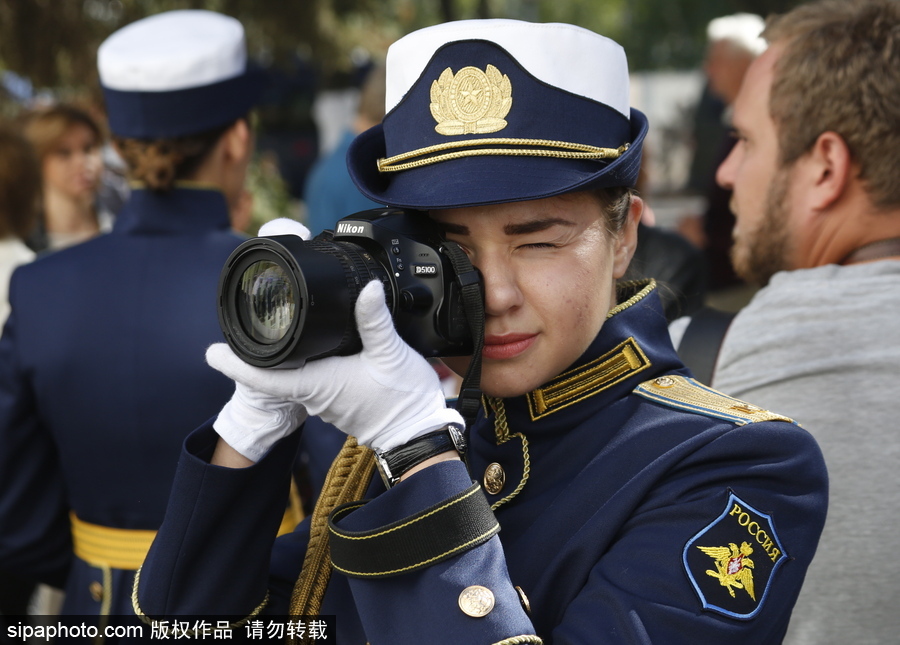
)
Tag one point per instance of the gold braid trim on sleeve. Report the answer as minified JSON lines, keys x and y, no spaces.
{"x":347,"y":480}
{"x":164,"y":631}
{"x":521,"y":640}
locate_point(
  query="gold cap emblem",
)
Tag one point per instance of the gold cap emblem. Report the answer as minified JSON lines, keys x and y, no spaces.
{"x":471,"y":101}
{"x":476,"y":601}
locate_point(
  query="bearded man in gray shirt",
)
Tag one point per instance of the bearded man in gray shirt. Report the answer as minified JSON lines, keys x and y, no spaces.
{"x":817,"y":202}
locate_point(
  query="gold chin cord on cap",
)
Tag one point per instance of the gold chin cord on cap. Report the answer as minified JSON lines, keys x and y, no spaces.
{"x":514,"y":148}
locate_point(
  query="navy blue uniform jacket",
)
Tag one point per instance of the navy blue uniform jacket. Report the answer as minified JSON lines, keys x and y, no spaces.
{"x":102,"y":375}
{"x":654,"y":511}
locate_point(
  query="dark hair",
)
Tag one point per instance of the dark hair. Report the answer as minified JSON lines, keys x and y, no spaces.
{"x":615,"y":203}
{"x":159,"y":163}
{"x":44,"y":127}
{"x":20,"y":185}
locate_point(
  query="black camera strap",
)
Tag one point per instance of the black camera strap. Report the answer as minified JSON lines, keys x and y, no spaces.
{"x":469,"y":281}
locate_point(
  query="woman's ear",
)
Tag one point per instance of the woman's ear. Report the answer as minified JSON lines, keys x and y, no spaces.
{"x":626,"y":242}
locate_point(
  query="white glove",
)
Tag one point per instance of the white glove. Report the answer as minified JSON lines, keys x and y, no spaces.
{"x":284,"y":226}
{"x":385,"y":395}
{"x":252,"y":421}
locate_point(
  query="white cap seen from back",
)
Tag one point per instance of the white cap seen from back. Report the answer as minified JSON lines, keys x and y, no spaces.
{"x":176,"y":73}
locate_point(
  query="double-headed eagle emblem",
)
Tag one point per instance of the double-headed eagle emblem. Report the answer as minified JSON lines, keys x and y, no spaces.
{"x":733,"y":567}
{"x":471,"y":101}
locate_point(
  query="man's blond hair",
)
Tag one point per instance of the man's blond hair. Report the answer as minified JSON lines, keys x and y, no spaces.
{"x":840,"y":72}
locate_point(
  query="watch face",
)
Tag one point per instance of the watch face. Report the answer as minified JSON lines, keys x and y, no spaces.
{"x":384,"y":470}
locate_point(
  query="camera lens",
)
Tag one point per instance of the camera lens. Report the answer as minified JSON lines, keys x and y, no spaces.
{"x":283,"y":300}
{"x":267,"y":302}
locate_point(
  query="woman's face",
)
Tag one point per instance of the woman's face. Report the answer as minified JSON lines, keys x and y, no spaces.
{"x":73,"y":166}
{"x":549,"y":268}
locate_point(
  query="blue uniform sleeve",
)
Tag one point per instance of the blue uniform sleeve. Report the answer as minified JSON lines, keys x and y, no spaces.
{"x":714,"y":550}
{"x":211,"y":554}
{"x":714,"y":553}
{"x":466,"y":598}
{"x":35,"y":535}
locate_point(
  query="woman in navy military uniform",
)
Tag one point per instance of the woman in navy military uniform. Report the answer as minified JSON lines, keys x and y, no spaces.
{"x":606,"y":496}
{"x":101,"y":363}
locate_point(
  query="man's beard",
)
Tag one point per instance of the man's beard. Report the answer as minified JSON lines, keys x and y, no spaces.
{"x":759,"y":254}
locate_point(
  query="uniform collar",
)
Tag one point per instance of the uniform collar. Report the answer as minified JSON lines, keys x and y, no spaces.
{"x":187,"y":208}
{"x":633,"y":346}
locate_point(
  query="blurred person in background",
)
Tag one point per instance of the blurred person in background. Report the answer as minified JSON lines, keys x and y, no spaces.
{"x":68,"y":142}
{"x":329,"y":192}
{"x":101,"y":364}
{"x":734,"y":42}
{"x":20,"y":194}
{"x":678,"y":266}
{"x":20,"y":197}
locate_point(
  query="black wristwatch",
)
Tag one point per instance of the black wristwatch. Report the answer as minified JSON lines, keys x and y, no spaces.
{"x":393,"y":463}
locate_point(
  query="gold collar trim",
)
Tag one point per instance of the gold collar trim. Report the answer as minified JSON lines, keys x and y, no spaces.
{"x":573,"y":386}
{"x":645,"y":286}
{"x":512,"y":147}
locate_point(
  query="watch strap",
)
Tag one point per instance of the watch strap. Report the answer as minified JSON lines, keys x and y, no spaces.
{"x":393,"y":463}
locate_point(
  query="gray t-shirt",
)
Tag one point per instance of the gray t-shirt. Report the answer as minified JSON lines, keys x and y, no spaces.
{"x":822,"y":346}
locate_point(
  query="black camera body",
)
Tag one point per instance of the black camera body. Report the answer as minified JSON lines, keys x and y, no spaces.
{"x":283,"y":301}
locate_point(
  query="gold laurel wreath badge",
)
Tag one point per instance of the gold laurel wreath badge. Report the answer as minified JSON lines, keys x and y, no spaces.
{"x":471,"y":101}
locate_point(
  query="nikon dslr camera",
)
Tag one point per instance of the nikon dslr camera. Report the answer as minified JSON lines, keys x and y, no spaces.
{"x":283,"y":301}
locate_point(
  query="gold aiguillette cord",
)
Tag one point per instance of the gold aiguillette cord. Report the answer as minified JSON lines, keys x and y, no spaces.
{"x":347,"y":481}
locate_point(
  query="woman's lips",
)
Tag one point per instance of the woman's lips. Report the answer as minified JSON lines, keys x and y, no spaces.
{"x":508,"y":346}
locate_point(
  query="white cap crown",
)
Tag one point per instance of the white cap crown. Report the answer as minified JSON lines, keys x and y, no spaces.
{"x":545,"y":50}
{"x":171,"y":51}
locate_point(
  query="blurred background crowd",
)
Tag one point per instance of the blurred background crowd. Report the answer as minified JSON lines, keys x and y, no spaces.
{"x":323,"y":59}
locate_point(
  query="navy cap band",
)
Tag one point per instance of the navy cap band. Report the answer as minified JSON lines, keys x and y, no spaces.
{"x":168,"y":114}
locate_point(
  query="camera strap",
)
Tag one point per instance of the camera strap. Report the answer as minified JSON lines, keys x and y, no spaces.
{"x":469,"y":280}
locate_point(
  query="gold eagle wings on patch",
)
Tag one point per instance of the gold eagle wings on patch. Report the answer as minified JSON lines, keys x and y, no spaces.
{"x":471,"y":101}
{"x":733,"y":566}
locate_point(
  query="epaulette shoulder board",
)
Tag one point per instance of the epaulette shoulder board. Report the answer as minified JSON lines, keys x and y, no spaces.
{"x":692,"y":396}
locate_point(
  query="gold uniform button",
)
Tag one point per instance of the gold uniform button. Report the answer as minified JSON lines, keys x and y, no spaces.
{"x":96,"y":590}
{"x":494,"y":478}
{"x":476,"y":601}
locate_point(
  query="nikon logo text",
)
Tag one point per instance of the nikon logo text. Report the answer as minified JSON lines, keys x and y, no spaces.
{"x":352,"y":229}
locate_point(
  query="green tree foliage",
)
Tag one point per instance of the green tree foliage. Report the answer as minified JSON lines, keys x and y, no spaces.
{"x":54,"y":42}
